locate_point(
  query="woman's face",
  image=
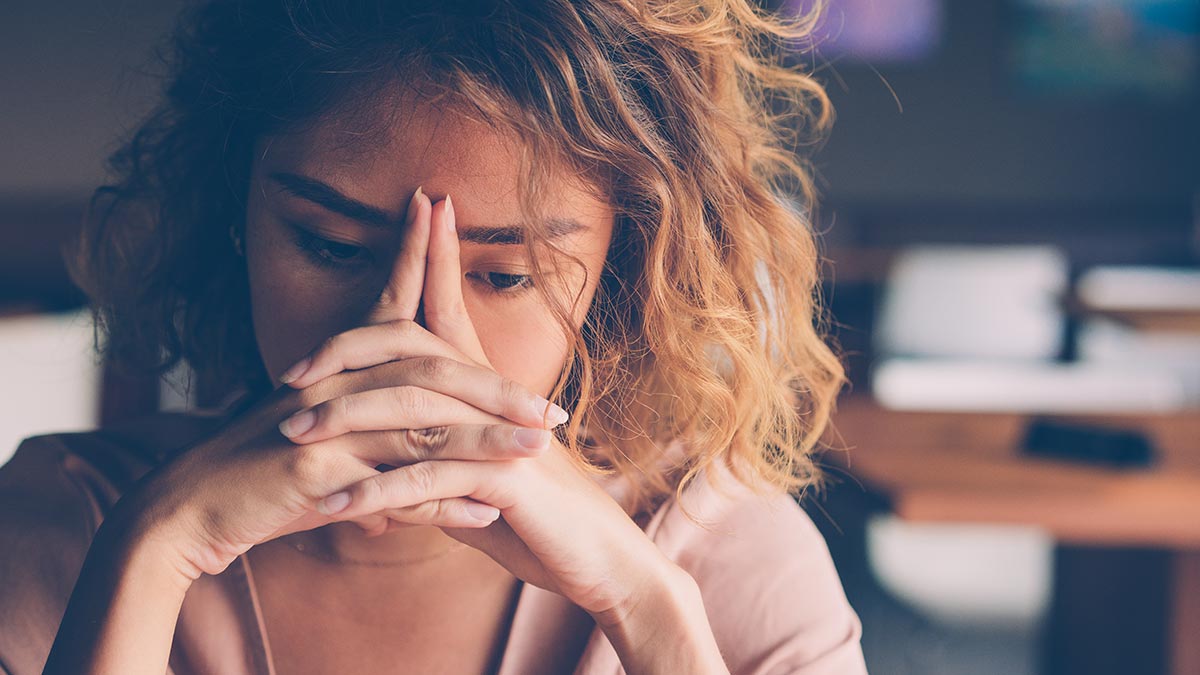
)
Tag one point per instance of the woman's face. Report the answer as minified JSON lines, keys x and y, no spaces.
{"x":325,"y":226}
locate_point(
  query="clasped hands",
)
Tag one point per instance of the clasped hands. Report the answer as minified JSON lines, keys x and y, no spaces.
{"x":470,"y":435}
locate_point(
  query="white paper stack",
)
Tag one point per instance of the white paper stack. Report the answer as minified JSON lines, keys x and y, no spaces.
{"x":981,"y":329}
{"x":1145,"y":288}
{"x":966,"y":385}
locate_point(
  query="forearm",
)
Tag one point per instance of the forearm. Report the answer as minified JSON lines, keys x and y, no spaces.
{"x":666,"y":631}
{"x":122,"y":612}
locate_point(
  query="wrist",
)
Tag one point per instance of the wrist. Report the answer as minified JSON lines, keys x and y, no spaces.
{"x":663,"y":584}
{"x":141,"y":537}
{"x":664,"y":627}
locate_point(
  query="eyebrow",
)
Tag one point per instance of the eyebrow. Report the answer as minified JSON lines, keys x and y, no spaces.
{"x":324,"y":195}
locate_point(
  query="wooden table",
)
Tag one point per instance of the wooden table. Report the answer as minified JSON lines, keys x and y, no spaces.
{"x":966,"y":467}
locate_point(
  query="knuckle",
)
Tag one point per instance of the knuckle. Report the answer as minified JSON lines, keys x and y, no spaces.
{"x":408,"y":327}
{"x":497,"y":436}
{"x":452,"y":315}
{"x":422,"y":478}
{"x":426,"y":443}
{"x":437,"y":314}
{"x":450,"y":510}
{"x":371,"y":493}
{"x":408,"y":400}
{"x":306,"y":464}
{"x":338,"y":413}
{"x":434,"y":368}
{"x":213,"y":518}
{"x":395,"y":442}
{"x":429,"y":512}
{"x":512,"y":391}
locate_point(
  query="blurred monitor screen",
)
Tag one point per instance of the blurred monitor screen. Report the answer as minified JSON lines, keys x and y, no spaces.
{"x":1107,"y":46}
{"x":876,"y":30}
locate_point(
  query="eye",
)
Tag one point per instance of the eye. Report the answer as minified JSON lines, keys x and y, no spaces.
{"x":326,"y":252}
{"x":503,"y":283}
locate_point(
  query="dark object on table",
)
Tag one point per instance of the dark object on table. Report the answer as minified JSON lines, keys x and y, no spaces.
{"x":1092,"y":444}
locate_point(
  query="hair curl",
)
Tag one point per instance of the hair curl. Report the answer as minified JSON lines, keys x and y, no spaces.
{"x":707,"y":326}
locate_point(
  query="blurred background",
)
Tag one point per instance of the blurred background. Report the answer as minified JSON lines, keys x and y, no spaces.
{"x":1011,"y":213}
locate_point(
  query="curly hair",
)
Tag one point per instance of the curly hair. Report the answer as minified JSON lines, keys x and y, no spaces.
{"x":707,"y":325}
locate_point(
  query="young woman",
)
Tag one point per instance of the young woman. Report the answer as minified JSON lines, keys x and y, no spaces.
{"x":389,"y":235}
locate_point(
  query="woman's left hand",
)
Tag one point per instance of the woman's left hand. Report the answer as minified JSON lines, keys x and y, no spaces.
{"x":559,"y":529}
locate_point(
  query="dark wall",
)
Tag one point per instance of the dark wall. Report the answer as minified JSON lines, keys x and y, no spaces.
{"x":970,"y":146}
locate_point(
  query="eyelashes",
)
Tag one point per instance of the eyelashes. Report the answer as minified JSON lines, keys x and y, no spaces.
{"x":509,"y":284}
{"x":349,"y":258}
{"x":325,"y":252}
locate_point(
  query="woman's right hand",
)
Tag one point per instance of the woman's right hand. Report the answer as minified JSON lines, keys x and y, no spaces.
{"x":248,"y":483}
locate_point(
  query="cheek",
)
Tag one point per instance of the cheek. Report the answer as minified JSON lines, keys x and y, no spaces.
{"x":523,"y":340}
{"x":292,"y":308}
{"x":530,"y":347}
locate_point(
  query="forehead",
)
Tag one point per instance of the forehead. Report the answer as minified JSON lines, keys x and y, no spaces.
{"x":381,"y":154}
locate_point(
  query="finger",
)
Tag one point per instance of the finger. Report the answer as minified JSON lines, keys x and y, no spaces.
{"x":473,"y":442}
{"x":339,"y":475}
{"x":373,"y":524}
{"x":488,"y":482}
{"x":367,"y":346}
{"x":403,"y":407}
{"x":501,"y":541}
{"x":451,"y":512}
{"x":402,"y":294}
{"x":479,"y":386}
{"x":445,"y":310}
{"x":482,"y":387}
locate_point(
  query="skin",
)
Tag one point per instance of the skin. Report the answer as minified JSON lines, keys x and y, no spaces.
{"x":297,"y":303}
{"x":409,"y":341}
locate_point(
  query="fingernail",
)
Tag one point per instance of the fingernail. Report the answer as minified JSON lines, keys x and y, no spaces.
{"x":557,"y":415}
{"x":449,"y":214}
{"x":298,"y":424}
{"x":334,"y":503}
{"x":413,"y":205}
{"x":292,"y":374}
{"x":535,"y":439}
{"x":482,"y":512}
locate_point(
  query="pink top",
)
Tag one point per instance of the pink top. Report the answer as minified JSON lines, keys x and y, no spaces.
{"x":773,"y":597}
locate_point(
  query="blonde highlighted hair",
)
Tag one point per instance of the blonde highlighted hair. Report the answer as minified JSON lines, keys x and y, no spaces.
{"x":707,"y":326}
